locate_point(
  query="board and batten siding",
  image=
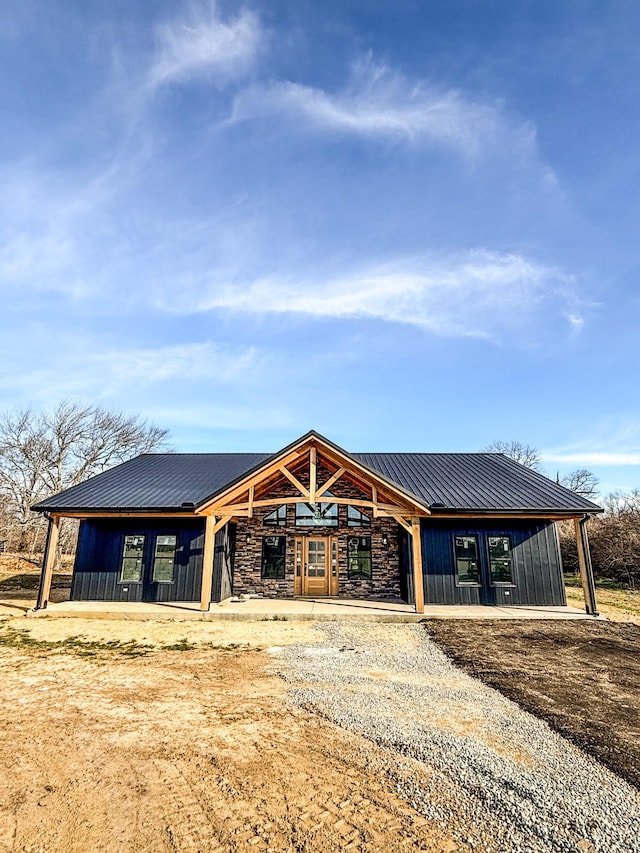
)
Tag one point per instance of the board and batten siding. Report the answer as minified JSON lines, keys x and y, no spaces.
{"x":96,"y":573}
{"x":536,"y":566}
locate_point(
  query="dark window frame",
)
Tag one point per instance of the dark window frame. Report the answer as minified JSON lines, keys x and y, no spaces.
{"x":358,"y":574}
{"x":492,"y":582}
{"x":280,"y":572}
{"x":280,"y":513}
{"x":299,"y":522}
{"x":357,"y":522}
{"x":155,"y":556}
{"x":476,"y":538}
{"x":145,"y":543}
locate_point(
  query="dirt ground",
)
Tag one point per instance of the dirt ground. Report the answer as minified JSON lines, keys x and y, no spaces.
{"x":172,"y":737}
{"x":157,"y":736}
{"x":583,"y":678}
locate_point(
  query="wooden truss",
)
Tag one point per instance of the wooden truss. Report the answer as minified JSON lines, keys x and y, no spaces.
{"x":299,"y":466}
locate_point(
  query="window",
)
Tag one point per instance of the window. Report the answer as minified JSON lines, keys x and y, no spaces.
{"x":132,"y":558}
{"x":277,"y":517}
{"x":273,"y":556}
{"x":317,"y":515}
{"x":359,"y":557}
{"x":500,"y":559}
{"x":356,"y":518}
{"x":467,"y":565}
{"x":164,"y":558}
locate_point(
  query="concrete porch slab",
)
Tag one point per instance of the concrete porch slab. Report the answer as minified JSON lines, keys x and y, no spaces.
{"x":298,"y":609}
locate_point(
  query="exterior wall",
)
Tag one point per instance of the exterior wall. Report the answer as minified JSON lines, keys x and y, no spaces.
{"x":537,"y":566}
{"x":96,"y":574}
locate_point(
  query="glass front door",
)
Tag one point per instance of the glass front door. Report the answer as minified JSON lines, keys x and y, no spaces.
{"x":315,"y":579}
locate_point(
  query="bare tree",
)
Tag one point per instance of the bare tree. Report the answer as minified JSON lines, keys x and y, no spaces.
{"x":525,"y":454}
{"x":43,"y":453}
{"x":623,"y":504}
{"x":581,"y":481}
{"x":614,"y":538}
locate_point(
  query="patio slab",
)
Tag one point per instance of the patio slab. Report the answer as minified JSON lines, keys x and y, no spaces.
{"x":298,"y":609}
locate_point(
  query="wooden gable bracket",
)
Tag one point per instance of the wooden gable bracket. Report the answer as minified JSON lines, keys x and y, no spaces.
{"x":406,"y":505}
{"x":332,"y":479}
{"x":403,"y":522}
{"x":213,"y":506}
{"x":306,"y":493}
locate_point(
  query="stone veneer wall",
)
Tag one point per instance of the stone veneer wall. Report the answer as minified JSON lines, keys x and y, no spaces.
{"x":385,"y":561}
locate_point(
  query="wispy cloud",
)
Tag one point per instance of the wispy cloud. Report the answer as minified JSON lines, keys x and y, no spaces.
{"x":25,"y":254}
{"x":613,"y":442}
{"x":480,"y":294}
{"x":110,"y":372}
{"x":192,"y":360}
{"x":593,"y":458}
{"x":203,"y":44}
{"x":226,"y":416}
{"x":378,"y":102}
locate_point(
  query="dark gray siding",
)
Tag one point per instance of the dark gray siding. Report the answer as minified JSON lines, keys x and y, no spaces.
{"x":406,"y":570}
{"x":99,"y":554}
{"x":224,"y":557}
{"x":537,"y":567}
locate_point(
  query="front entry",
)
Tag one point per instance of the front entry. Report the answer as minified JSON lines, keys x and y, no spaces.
{"x":318,"y":566}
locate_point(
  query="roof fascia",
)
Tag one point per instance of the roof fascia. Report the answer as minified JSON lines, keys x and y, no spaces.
{"x":552,"y":514}
{"x":111,"y":512}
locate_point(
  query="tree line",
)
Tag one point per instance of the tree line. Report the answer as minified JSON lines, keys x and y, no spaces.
{"x":614,"y":536}
{"x":42,"y":453}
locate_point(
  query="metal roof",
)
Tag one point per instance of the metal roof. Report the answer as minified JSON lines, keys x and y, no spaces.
{"x":156,"y":481}
{"x":476,"y":482}
{"x":445,"y":482}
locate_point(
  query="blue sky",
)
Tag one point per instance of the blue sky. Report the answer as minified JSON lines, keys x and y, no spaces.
{"x":408,"y":225}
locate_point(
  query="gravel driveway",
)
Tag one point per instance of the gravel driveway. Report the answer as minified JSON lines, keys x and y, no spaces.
{"x":463,"y":754}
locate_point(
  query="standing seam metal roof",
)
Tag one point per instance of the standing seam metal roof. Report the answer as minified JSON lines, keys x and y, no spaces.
{"x":483,"y":482}
{"x":473,"y":482}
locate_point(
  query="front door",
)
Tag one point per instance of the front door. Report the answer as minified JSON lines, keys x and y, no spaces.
{"x":316,"y":564}
{"x":315,"y":579}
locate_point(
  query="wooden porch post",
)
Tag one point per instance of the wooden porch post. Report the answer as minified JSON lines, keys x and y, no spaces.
{"x":586,"y":569}
{"x":207,"y":561}
{"x":48,"y":560}
{"x":416,"y":559}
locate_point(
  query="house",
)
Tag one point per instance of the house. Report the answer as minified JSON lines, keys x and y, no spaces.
{"x":315,"y":520}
